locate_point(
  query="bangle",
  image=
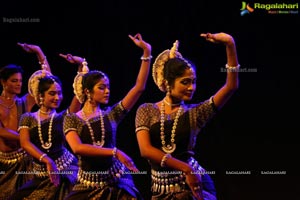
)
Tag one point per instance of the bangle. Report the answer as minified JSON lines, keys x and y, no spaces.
{"x":114,"y":152}
{"x":84,"y":63}
{"x":164,"y":159}
{"x":232,"y":68}
{"x":43,"y":64}
{"x":85,"y":68}
{"x":146,"y":58}
{"x":43,"y":60}
{"x":42,"y":156}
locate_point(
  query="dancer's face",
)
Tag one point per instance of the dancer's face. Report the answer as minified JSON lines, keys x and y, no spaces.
{"x":53,"y":96}
{"x":13,"y":84}
{"x":101,"y":91}
{"x":185,"y":85}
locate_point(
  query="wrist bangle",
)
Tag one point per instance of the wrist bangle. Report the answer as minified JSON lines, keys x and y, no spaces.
{"x":114,"y":152}
{"x":43,"y":64}
{"x":42,"y":156}
{"x":43,"y":60}
{"x":232,"y":68}
{"x":164,"y":159}
{"x":84,"y":66}
{"x":146,"y":58}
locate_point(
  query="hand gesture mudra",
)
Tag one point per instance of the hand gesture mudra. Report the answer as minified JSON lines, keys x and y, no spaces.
{"x":138,"y":41}
{"x":218,"y":37}
{"x":30,"y":48}
{"x":72,"y":59}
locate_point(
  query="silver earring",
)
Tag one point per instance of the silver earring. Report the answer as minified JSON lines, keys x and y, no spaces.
{"x":168,"y":90}
{"x":89,"y":97}
{"x":41,"y":101}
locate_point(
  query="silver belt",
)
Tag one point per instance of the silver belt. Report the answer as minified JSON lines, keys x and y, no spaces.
{"x":12,"y":157}
{"x":165,"y":182}
{"x":62,"y":163}
{"x":102,"y":178}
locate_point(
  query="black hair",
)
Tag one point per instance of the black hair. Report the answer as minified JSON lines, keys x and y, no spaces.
{"x":8,"y":70}
{"x":174,"y":68}
{"x":90,"y":79}
{"x":46,"y":82}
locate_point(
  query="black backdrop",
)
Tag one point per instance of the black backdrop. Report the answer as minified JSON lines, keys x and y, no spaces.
{"x":255,"y":132}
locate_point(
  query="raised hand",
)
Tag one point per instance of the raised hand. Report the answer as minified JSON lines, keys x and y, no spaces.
{"x":72,"y":59}
{"x":30,"y":48}
{"x":138,"y":40}
{"x":218,"y":37}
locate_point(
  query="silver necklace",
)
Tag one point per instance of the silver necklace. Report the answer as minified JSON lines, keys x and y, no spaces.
{"x":8,"y":106}
{"x":96,"y":143}
{"x":171,"y":104}
{"x":48,"y":144}
{"x":5,"y":97}
{"x":169,"y":148}
{"x":47,"y":113}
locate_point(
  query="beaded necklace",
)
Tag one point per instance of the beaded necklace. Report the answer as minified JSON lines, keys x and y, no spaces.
{"x":8,"y":106}
{"x":96,"y":143}
{"x":48,"y":144}
{"x":5,"y":97}
{"x":47,"y":113}
{"x":170,"y":148}
{"x":171,"y":104}
{"x":8,"y":98}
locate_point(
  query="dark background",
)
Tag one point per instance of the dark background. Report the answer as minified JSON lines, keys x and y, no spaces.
{"x":256,"y":130}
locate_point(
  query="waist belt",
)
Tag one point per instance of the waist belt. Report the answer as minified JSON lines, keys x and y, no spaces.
{"x":12,"y":157}
{"x":62,"y":163}
{"x":102,"y":178}
{"x":165,"y":182}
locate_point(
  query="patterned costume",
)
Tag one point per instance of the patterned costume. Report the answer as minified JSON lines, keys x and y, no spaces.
{"x":40,"y":187}
{"x":166,"y":182}
{"x":101,"y":177}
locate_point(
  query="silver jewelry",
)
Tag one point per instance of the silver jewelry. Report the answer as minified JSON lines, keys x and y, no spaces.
{"x":42,"y":156}
{"x":6,"y":97}
{"x":47,"y":113}
{"x":96,"y":143}
{"x":164,"y":159}
{"x":48,"y":144}
{"x":170,"y":148}
{"x":171,"y":104}
{"x":146,"y":58}
{"x":114,"y":152}
{"x":197,"y":188}
{"x":8,"y":106}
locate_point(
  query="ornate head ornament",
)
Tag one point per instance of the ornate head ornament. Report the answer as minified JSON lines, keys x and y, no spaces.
{"x":159,"y":64}
{"x":34,"y":81}
{"x":77,"y":84}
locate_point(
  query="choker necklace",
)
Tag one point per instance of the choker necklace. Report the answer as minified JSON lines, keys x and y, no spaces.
{"x":48,"y":144}
{"x":7,"y":98}
{"x":8,"y":107}
{"x":47,"y":113}
{"x":170,"y":148}
{"x":96,"y":143}
{"x":171,"y":104}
